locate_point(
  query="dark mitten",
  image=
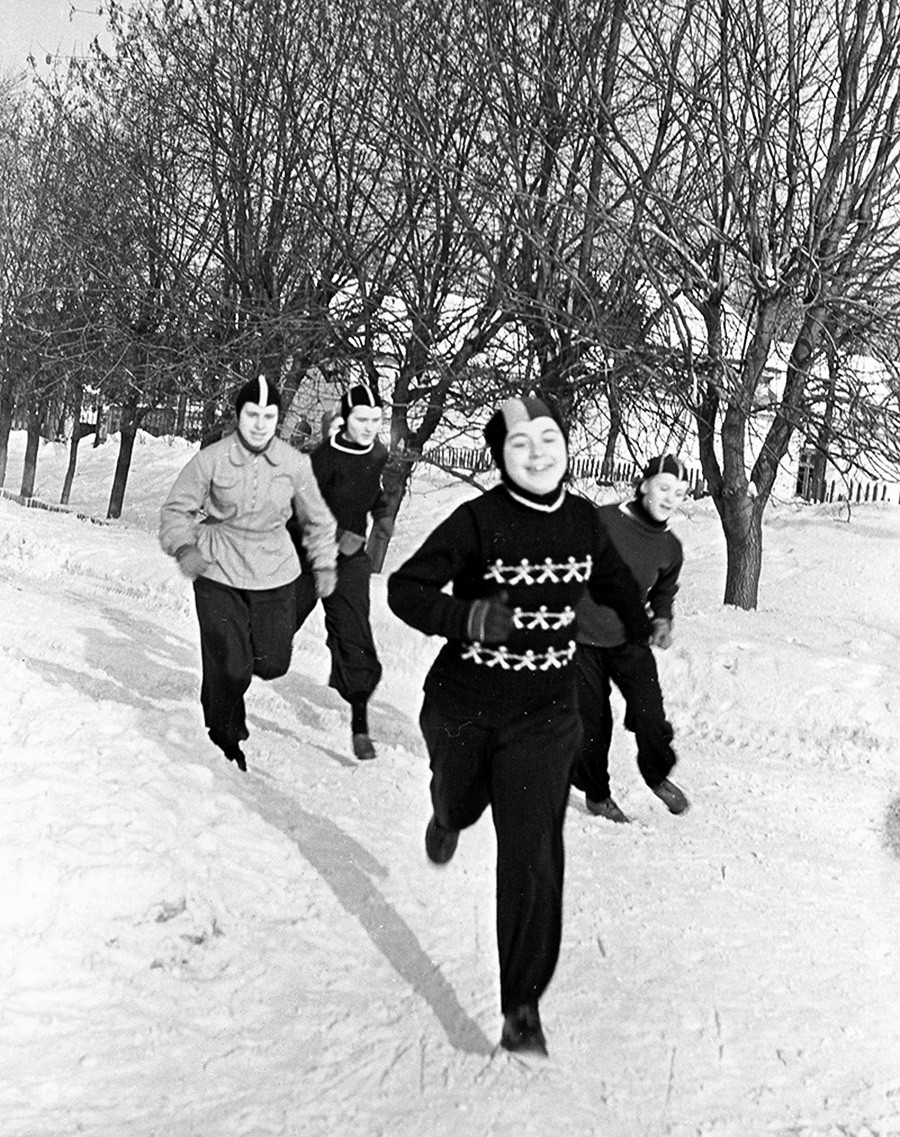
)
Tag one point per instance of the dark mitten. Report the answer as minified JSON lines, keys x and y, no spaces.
{"x":490,"y":620}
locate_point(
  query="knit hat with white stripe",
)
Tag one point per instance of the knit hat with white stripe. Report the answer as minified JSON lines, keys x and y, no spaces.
{"x":259,"y":391}
{"x":512,"y":412}
{"x":359,"y":396}
{"x":665,"y":464}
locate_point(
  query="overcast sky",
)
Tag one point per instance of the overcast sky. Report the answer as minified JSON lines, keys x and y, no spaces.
{"x":45,"y":27}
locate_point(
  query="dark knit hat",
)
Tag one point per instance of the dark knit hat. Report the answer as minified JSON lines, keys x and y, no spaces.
{"x":510,"y":414}
{"x":359,"y":396}
{"x":665,"y":464}
{"x":259,"y":391}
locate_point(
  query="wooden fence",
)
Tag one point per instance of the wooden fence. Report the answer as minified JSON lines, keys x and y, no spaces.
{"x":183,"y":419}
{"x":837,"y":489}
{"x":479,"y":461}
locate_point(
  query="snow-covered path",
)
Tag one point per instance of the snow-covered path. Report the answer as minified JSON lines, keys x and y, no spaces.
{"x":189,"y":951}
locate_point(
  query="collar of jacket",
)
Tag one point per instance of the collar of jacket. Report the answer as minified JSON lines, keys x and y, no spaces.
{"x":239,"y":455}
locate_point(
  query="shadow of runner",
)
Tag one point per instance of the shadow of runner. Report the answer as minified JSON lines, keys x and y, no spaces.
{"x":348,"y":870}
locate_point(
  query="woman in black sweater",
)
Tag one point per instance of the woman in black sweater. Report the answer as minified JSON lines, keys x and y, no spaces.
{"x":500,"y":717}
{"x":640,"y":531}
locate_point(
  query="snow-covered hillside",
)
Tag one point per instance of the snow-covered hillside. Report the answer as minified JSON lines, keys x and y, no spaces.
{"x":188,"y":951}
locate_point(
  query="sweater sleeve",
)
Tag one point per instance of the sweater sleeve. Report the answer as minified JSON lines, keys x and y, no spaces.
{"x":316,"y":521}
{"x":182,"y":511}
{"x":661,"y":596}
{"x":611,"y":583}
{"x":416,"y":590}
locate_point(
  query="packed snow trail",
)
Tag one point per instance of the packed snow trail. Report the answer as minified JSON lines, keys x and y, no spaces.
{"x":189,"y":950}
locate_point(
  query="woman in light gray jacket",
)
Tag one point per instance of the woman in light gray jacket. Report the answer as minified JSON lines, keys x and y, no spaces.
{"x":224,"y":522}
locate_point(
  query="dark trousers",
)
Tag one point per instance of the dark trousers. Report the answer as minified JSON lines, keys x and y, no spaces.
{"x":243,"y":633}
{"x":519,"y":766}
{"x":633,"y":670}
{"x":355,"y":668}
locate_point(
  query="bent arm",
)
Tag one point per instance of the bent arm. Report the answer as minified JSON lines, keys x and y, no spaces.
{"x":181,"y":512}
{"x":416,"y":590}
{"x":612,"y":584}
{"x":317,"y":524}
{"x":662,"y":595}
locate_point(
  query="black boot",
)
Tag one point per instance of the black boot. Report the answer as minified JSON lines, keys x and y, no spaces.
{"x":671,"y":796}
{"x":359,"y":726}
{"x":522,"y":1031}
{"x":231,"y":750}
{"x":440,"y":843}
{"x":363,"y":748}
{"x":235,"y":754}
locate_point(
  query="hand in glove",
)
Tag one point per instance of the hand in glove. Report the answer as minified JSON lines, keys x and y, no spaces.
{"x":490,"y":620}
{"x":191,"y":561}
{"x":662,"y":633}
{"x":326,"y":582}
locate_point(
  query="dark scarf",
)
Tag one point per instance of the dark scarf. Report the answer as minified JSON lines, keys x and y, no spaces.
{"x":637,"y":509}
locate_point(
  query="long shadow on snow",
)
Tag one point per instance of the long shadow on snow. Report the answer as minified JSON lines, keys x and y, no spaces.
{"x":892,"y":827}
{"x":348,"y":869}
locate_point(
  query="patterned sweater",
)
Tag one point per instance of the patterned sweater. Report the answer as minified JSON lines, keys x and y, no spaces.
{"x":543,"y":560}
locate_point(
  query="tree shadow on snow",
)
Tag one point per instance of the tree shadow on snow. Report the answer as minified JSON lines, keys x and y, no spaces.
{"x":349,"y":871}
{"x":892,"y":828}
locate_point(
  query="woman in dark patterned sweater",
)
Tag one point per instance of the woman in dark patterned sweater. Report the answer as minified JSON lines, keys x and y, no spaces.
{"x":500,"y":718}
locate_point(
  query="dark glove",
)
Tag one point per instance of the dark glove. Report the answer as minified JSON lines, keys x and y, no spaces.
{"x":191,"y":561}
{"x":325,"y":581}
{"x":490,"y":620}
{"x":662,"y":633}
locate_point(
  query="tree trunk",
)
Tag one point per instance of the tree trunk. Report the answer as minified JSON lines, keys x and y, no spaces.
{"x":824,"y":433}
{"x":100,"y":433}
{"x":180,"y":416}
{"x":73,"y":447}
{"x":615,"y":429}
{"x":741,"y":518}
{"x":131,"y":420}
{"x":394,"y":480}
{"x":29,"y":469}
{"x":6,"y":416}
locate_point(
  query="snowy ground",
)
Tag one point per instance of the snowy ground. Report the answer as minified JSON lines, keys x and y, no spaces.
{"x":188,"y":951}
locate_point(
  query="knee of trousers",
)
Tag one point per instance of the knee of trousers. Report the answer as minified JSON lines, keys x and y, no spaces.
{"x":271,"y":669}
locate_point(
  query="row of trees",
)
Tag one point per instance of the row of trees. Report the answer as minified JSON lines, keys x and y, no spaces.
{"x":619,"y":205}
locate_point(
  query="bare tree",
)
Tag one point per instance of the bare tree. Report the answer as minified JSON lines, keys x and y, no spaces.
{"x":768,"y":203}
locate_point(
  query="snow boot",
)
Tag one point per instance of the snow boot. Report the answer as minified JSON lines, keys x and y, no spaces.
{"x":440,"y":843}
{"x":607,"y":808}
{"x":363,"y":748}
{"x":522,"y":1031}
{"x":234,"y":754}
{"x":671,"y":796}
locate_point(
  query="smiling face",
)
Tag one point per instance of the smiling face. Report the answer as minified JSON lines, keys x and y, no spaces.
{"x":362,"y":424}
{"x":257,"y":425}
{"x":535,"y":455}
{"x":662,"y":495}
